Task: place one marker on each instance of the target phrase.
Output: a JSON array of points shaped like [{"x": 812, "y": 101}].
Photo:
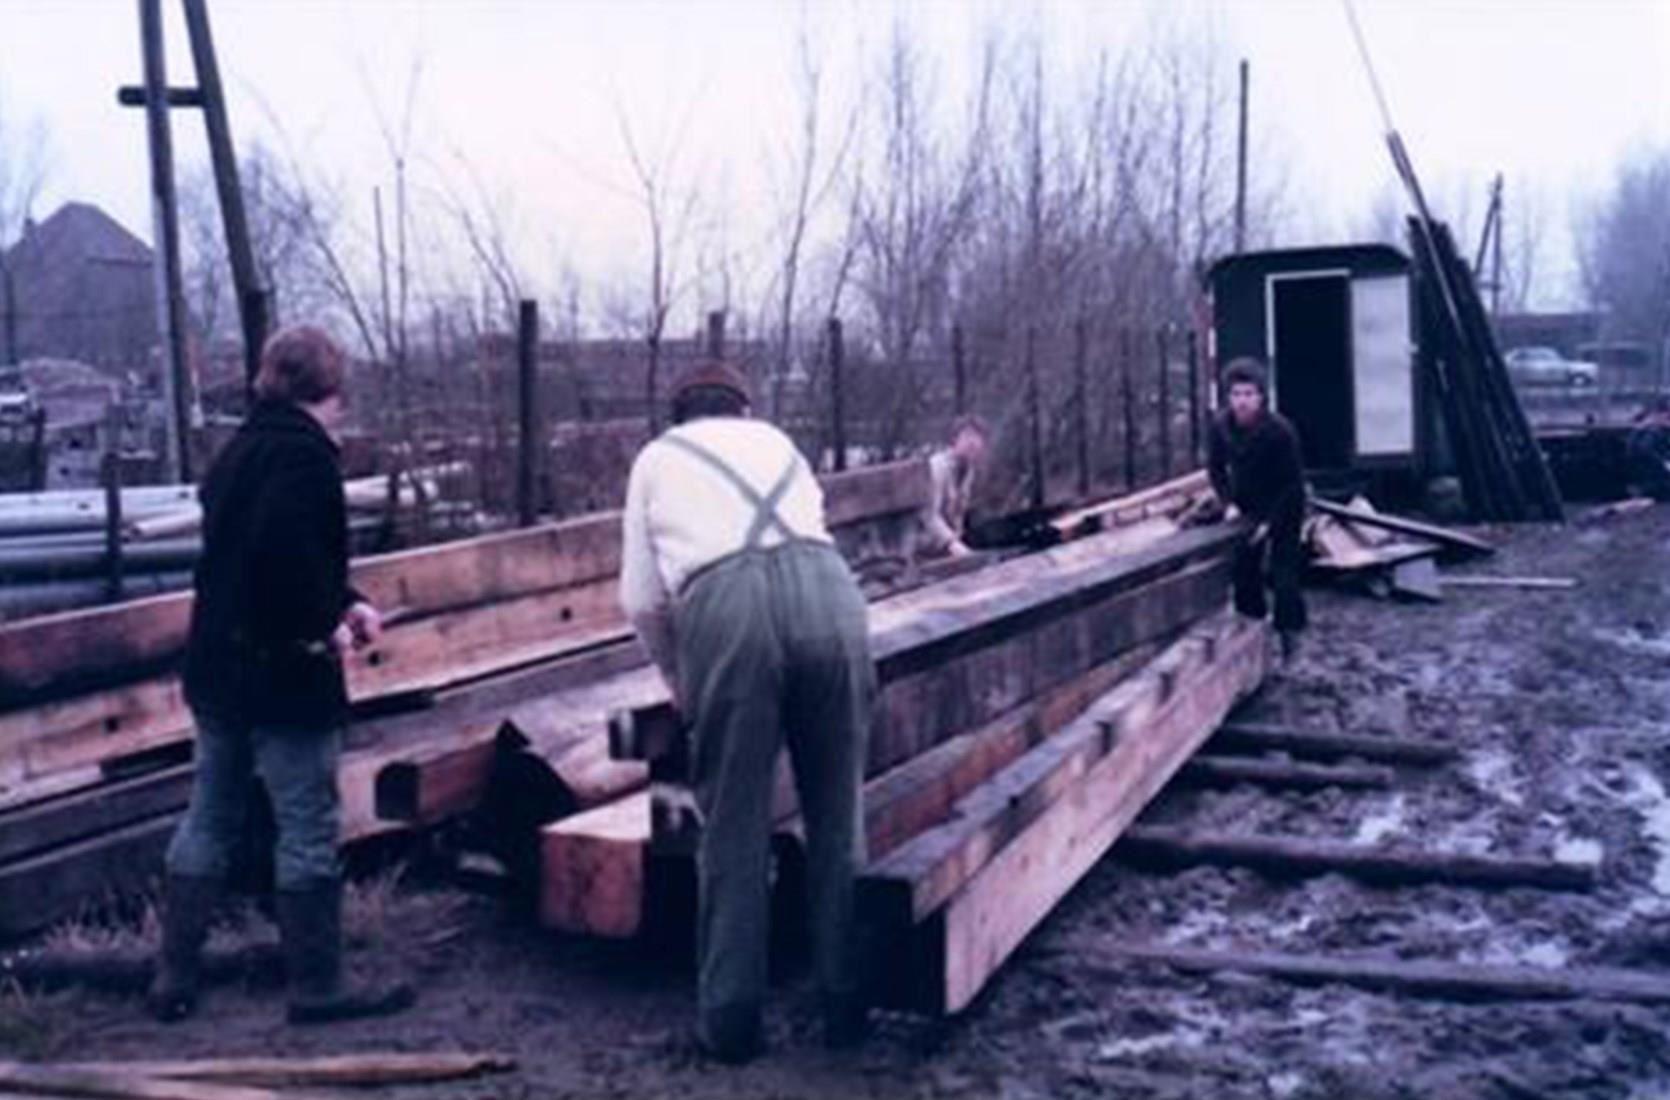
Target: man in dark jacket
[
  {"x": 263, "y": 675},
  {"x": 1253, "y": 459}
]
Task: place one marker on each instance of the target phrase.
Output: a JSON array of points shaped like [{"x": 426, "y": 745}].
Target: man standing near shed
[
  {"x": 733, "y": 583},
  {"x": 1254, "y": 463},
  {"x": 272, "y": 617}
]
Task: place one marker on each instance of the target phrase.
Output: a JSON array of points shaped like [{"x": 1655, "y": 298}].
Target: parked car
[{"x": 1540, "y": 366}]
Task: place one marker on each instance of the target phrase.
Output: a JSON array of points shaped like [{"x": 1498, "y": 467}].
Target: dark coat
[
  {"x": 272, "y": 583},
  {"x": 1258, "y": 468}
]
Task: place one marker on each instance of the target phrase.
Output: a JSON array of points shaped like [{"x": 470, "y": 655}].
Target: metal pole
[
  {"x": 1129, "y": 402},
  {"x": 245, "y": 280},
  {"x": 527, "y": 352},
  {"x": 1035, "y": 416},
  {"x": 1194, "y": 398},
  {"x": 170, "y": 307},
  {"x": 959, "y": 371},
  {"x": 1081, "y": 399},
  {"x": 837, "y": 394},
  {"x": 1163, "y": 346},
  {"x": 1241, "y": 167}
]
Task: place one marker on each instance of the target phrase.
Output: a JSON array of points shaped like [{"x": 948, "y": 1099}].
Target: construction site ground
[{"x": 1561, "y": 703}]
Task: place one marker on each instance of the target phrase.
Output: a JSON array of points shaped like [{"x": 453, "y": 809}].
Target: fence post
[
  {"x": 1035, "y": 417},
  {"x": 1162, "y": 344},
  {"x": 527, "y": 354},
  {"x": 716, "y": 334},
  {"x": 1081, "y": 399},
  {"x": 837, "y": 394},
  {"x": 1130, "y": 415},
  {"x": 1194, "y": 399},
  {"x": 112, "y": 478}
]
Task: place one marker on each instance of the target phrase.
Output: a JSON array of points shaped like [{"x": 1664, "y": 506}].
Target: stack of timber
[
  {"x": 1027, "y": 713},
  {"x": 95, "y": 736},
  {"x": 1386, "y": 555}
]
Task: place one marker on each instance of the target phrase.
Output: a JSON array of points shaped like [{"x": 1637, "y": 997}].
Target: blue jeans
[{"x": 298, "y": 768}]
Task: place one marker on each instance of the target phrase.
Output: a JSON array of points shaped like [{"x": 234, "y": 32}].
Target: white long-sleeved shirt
[{"x": 682, "y": 515}]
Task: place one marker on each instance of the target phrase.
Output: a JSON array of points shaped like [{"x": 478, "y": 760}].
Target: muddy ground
[{"x": 1561, "y": 700}]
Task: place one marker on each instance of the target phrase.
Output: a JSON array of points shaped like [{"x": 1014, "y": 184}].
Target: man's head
[
  {"x": 710, "y": 388},
  {"x": 969, "y": 438},
  {"x": 302, "y": 365},
  {"x": 1248, "y": 385}
]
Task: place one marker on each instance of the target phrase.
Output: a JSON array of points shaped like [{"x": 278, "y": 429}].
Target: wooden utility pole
[
  {"x": 1035, "y": 418},
  {"x": 170, "y": 299},
  {"x": 1241, "y": 167},
  {"x": 1081, "y": 401},
  {"x": 252, "y": 296},
  {"x": 527, "y": 449},
  {"x": 1163, "y": 349},
  {"x": 959, "y": 371}
]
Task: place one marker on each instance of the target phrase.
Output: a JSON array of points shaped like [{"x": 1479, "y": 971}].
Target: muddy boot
[
  {"x": 310, "y": 924},
  {"x": 732, "y": 1034},
  {"x": 846, "y": 1020},
  {"x": 187, "y": 904}
]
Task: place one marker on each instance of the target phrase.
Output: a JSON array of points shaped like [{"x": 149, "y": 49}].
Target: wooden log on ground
[
  {"x": 940, "y": 964},
  {"x": 1264, "y": 737},
  {"x": 1416, "y": 977},
  {"x": 44, "y": 1079},
  {"x": 364, "y": 1069},
  {"x": 1227, "y": 771},
  {"x": 592, "y": 869},
  {"x": 1154, "y": 845}
]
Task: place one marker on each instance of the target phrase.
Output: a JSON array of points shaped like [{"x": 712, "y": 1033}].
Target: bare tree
[
  {"x": 1625, "y": 252},
  {"x": 23, "y": 161}
]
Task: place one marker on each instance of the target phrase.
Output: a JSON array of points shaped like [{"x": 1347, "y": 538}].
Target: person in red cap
[{"x": 732, "y": 581}]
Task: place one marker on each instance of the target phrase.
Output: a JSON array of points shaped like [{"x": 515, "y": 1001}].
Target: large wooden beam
[
  {"x": 592, "y": 869},
  {"x": 1417, "y": 977},
  {"x": 1296, "y": 857},
  {"x": 941, "y": 963},
  {"x": 1228, "y": 771},
  {"x": 79, "y": 814}
]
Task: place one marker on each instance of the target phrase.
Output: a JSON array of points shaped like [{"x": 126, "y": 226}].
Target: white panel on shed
[{"x": 1384, "y": 367}]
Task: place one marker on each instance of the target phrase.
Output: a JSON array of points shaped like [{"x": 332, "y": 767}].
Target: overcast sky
[{"x": 1550, "y": 92}]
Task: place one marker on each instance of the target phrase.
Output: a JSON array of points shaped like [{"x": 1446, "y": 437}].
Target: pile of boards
[
  {"x": 95, "y": 736},
  {"x": 1383, "y": 554},
  {"x": 1028, "y": 713}
]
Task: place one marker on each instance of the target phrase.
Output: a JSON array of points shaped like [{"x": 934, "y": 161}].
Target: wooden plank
[
  {"x": 1298, "y": 858},
  {"x": 1450, "y": 539},
  {"x": 592, "y": 869},
  {"x": 1244, "y": 736},
  {"x": 921, "y": 875},
  {"x": 929, "y": 628},
  {"x": 368, "y": 1068},
  {"x": 942, "y": 963},
  {"x": 1416, "y": 977},
  {"x": 1166, "y": 499},
  {"x": 1483, "y": 581},
  {"x": 85, "y": 813},
  {"x": 874, "y": 491},
  {"x": 1227, "y": 771},
  {"x": 50, "y": 1080}
]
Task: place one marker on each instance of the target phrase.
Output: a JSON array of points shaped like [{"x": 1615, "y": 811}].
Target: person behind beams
[
  {"x": 952, "y": 472},
  {"x": 272, "y": 615},
  {"x": 732, "y": 581},
  {"x": 1254, "y": 463}
]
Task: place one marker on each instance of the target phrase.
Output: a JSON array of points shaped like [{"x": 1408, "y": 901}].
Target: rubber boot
[
  {"x": 188, "y": 903},
  {"x": 732, "y": 1034},
  {"x": 310, "y": 925}
]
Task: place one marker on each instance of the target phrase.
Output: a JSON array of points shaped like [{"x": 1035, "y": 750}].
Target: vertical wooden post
[
  {"x": 1081, "y": 400},
  {"x": 1241, "y": 167},
  {"x": 1194, "y": 398},
  {"x": 1035, "y": 417},
  {"x": 1128, "y": 401},
  {"x": 1162, "y": 345},
  {"x": 170, "y": 304},
  {"x": 112, "y": 478},
  {"x": 527, "y": 355},
  {"x": 716, "y": 334},
  {"x": 959, "y": 371},
  {"x": 837, "y": 394}
]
